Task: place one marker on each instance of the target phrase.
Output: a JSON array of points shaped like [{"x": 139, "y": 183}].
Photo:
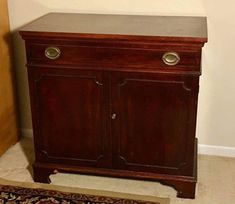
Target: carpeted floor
[
  {"x": 12, "y": 192},
  {"x": 216, "y": 178}
]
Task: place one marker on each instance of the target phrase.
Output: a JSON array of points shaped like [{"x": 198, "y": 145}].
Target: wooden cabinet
[{"x": 118, "y": 98}]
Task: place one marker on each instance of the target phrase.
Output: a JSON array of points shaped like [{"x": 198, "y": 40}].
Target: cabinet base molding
[{"x": 185, "y": 186}]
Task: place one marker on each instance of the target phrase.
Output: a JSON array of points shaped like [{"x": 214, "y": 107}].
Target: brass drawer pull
[
  {"x": 114, "y": 115},
  {"x": 52, "y": 52},
  {"x": 171, "y": 58}
]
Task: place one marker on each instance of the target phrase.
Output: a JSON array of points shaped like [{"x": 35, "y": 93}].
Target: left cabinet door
[{"x": 69, "y": 116}]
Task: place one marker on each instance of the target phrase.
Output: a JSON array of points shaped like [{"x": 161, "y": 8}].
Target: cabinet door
[
  {"x": 154, "y": 127},
  {"x": 69, "y": 116}
]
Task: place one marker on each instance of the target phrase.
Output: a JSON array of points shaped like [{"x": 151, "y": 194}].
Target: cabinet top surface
[{"x": 122, "y": 25}]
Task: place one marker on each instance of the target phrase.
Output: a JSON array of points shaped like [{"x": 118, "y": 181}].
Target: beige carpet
[{"x": 216, "y": 177}]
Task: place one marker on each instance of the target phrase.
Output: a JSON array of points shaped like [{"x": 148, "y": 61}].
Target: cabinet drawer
[{"x": 164, "y": 59}]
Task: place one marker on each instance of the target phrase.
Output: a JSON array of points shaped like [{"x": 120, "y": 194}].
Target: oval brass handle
[
  {"x": 52, "y": 52},
  {"x": 114, "y": 115},
  {"x": 171, "y": 58}
]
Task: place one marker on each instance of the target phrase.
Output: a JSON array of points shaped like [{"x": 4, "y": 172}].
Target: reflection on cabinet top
[{"x": 156, "y": 28}]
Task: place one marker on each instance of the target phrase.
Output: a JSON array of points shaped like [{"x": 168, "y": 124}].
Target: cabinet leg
[
  {"x": 184, "y": 189},
  {"x": 41, "y": 175}
]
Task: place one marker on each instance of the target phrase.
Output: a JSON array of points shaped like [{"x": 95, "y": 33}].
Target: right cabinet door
[{"x": 154, "y": 127}]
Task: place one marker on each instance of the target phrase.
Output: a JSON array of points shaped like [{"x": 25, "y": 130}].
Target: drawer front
[{"x": 164, "y": 59}]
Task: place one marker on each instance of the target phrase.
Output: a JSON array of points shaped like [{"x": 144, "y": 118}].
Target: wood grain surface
[
  {"x": 121, "y": 26},
  {"x": 8, "y": 121}
]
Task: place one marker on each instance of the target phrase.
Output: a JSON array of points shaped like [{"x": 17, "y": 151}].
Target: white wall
[{"x": 216, "y": 116}]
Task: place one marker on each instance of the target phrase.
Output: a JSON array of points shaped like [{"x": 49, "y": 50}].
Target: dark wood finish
[
  {"x": 154, "y": 111},
  {"x": 169, "y": 28},
  {"x": 70, "y": 107},
  {"x": 149, "y": 59},
  {"x": 41, "y": 174},
  {"x": 109, "y": 105}
]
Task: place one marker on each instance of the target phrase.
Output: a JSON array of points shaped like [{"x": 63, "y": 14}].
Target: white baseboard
[
  {"x": 216, "y": 150},
  {"x": 202, "y": 149}
]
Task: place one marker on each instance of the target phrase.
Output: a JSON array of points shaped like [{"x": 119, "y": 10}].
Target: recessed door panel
[
  {"x": 70, "y": 116},
  {"x": 154, "y": 122}
]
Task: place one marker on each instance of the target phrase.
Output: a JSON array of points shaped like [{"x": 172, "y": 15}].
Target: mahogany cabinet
[{"x": 116, "y": 95}]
